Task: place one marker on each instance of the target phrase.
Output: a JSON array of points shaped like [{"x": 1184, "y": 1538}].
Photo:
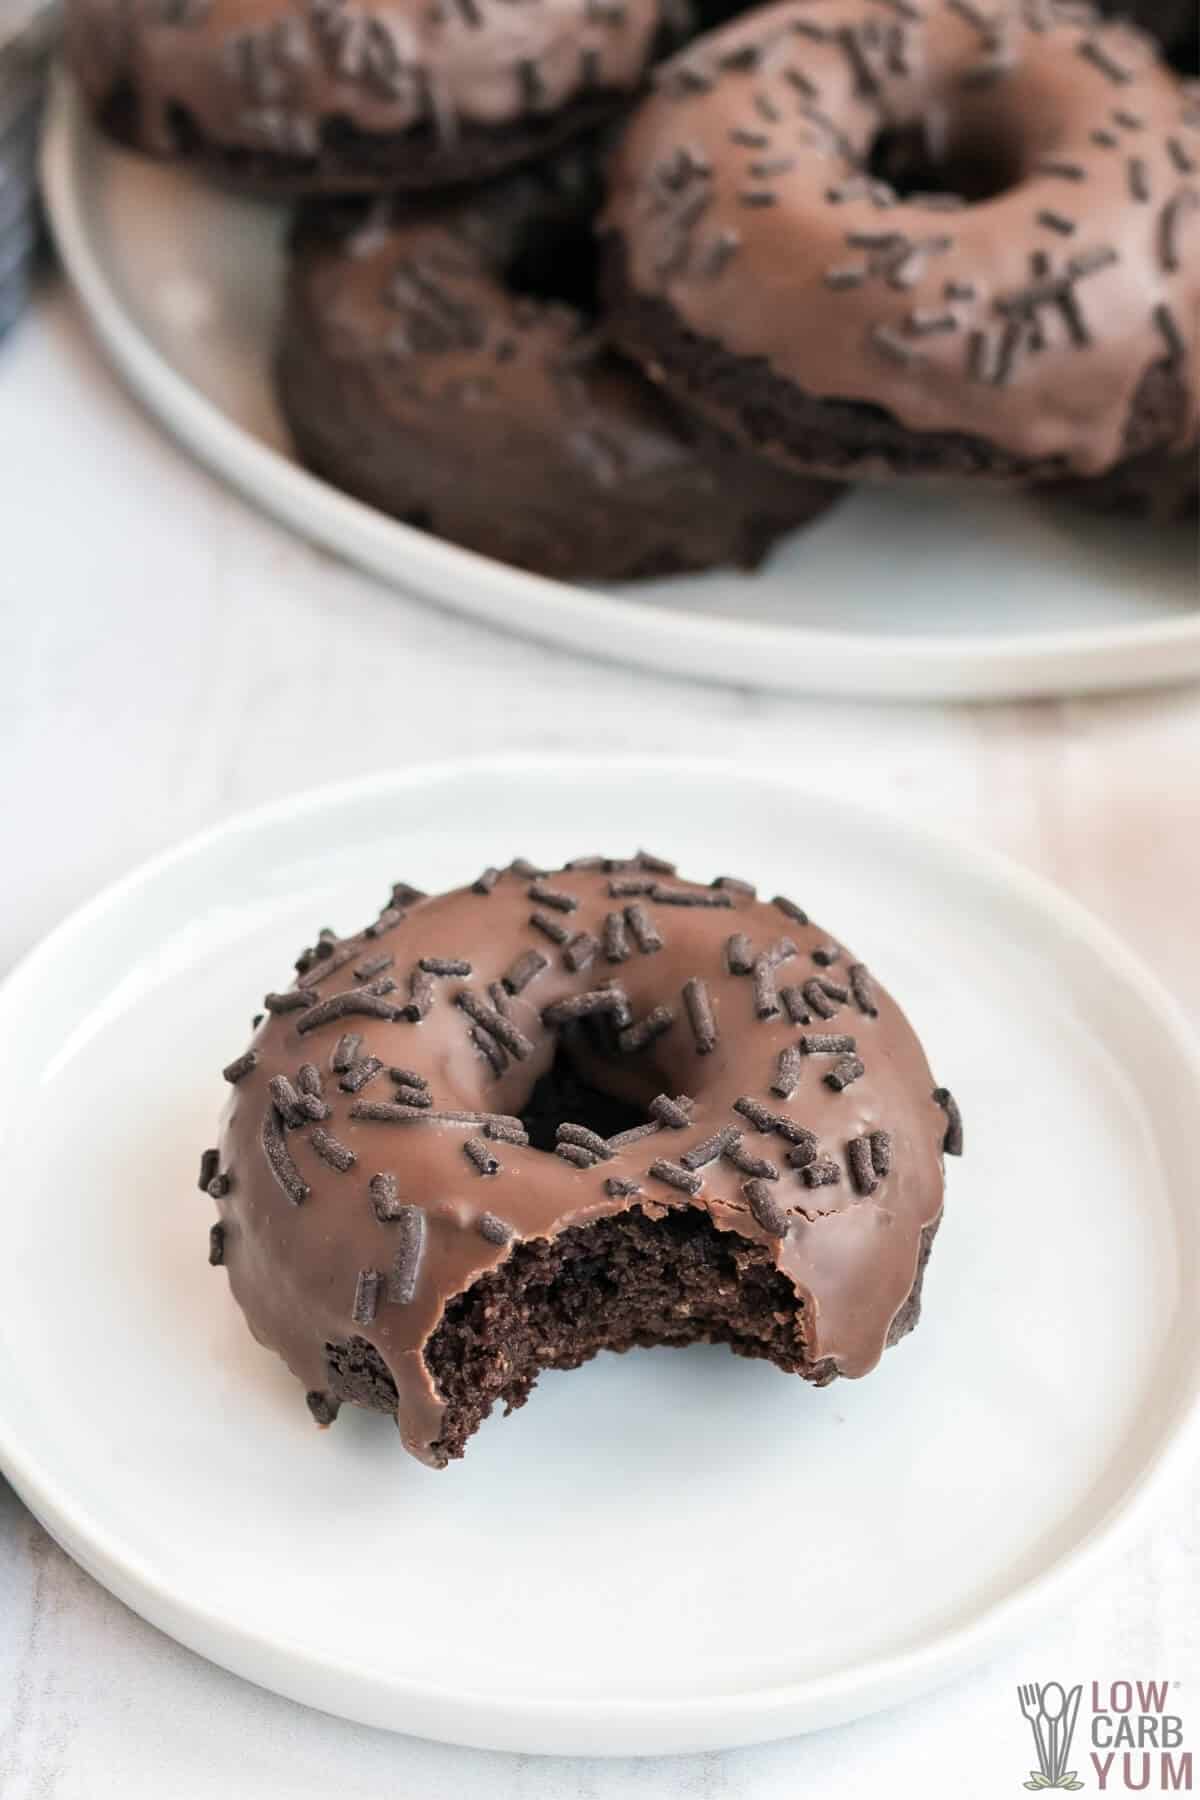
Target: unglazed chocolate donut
[
  {"x": 552, "y": 1113},
  {"x": 417, "y": 372},
  {"x": 342, "y": 95},
  {"x": 961, "y": 239}
]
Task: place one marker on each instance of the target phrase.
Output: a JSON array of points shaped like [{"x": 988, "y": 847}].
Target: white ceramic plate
[
  {"x": 896, "y": 593},
  {"x": 663, "y": 1551}
]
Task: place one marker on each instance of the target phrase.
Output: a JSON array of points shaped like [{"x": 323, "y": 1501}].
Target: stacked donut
[{"x": 832, "y": 241}]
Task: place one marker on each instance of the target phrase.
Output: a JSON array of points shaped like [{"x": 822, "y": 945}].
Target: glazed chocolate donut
[
  {"x": 553, "y": 1113},
  {"x": 425, "y": 368},
  {"x": 346, "y": 95},
  {"x": 960, "y": 240}
]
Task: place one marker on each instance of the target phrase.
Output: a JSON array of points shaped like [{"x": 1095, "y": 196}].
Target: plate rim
[
  {"x": 721, "y": 650},
  {"x": 628, "y": 1724}
]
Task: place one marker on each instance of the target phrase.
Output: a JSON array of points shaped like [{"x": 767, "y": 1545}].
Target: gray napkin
[{"x": 28, "y": 33}]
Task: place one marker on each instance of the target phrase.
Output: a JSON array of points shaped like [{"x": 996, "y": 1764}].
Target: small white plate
[
  {"x": 896, "y": 592},
  {"x": 663, "y": 1551}
]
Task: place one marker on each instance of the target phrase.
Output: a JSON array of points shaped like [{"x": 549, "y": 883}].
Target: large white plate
[
  {"x": 897, "y": 593},
  {"x": 663, "y": 1551}
]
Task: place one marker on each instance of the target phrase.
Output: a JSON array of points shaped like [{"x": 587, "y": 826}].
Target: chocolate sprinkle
[
  {"x": 1164, "y": 320},
  {"x": 406, "y": 1264},
  {"x": 643, "y": 929},
  {"x": 766, "y": 996},
  {"x": 502, "y": 1029},
  {"x": 803, "y": 1153},
  {"x": 391, "y": 915},
  {"x": 1186, "y": 201},
  {"x": 952, "y": 1143},
  {"x": 484, "y": 1159},
  {"x": 549, "y": 927},
  {"x": 626, "y": 889},
  {"x": 575, "y": 1153},
  {"x": 611, "y": 1000},
  {"x": 385, "y": 1198},
  {"x": 846, "y": 1070},
  {"x": 700, "y": 1155},
  {"x": 790, "y": 910},
  {"x": 765, "y": 1208},
  {"x": 366, "y": 1296},
  {"x": 331, "y": 1150},
  {"x": 739, "y": 954},
  {"x": 503, "y": 1129},
  {"x": 657, "y": 865},
  {"x": 881, "y": 1152},
  {"x": 444, "y": 965},
  {"x": 294, "y": 1000},
  {"x": 668, "y": 896},
  {"x": 408, "y": 1078},
  {"x": 862, "y": 1165},
  {"x": 763, "y": 1119},
  {"x": 421, "y": 993},
  {"x": 340, "y": 1006},
  {"x": 821, "y": 1172},
  {"x": 634, "y": 1135},
  {"x": 787, "y": 1072},
  {"x": 826, "y": 954},
  {"x": 374, "y": 965},
  {"x": 494, "y": 1230},
  {"x": 746, "y": 1163},
  {"x": 862, "y": 989},
  {"x": 816, "y": 997},
  {"x": 675, "y": 1114},
  {"x": 286, "y": 1099},
  {"x": 616, "y": 944},
  {"x": 404, "y": 894},
  {"x": 701, "y": 1016},
  {"x": 581, "y": 952},
  {"x": 210, "y": 1162},
  {"x": 483, "y": 884},
  {"x": 280, "y": 1162},
  {"x": 240, "y": 1066},
  {"x": 619, "y": 1189},
  {"x": 1095, "y": 53},
  {"x": 554, "y": 897},
  {"x": 795, "y": 1005},
  {"x": 1139, "y": 178},
  {"x": 736, "y": 885},
  {"x": 826, "y": 1044},
  {"x": 345, "y": 1052},
  {"x": 676, "y": 1176},
  {"x": 637, "y": 1037},
  {"x": 412, "y": 1096},
  {"x": 527, "y": 966},
  {"x": 584, "y": 1139},
  {"x": 216, "y": 1245},
  {"x": 359, "y": 1073}
]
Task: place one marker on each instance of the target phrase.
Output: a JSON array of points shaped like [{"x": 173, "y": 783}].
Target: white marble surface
[{"x": 168, "y": 657}]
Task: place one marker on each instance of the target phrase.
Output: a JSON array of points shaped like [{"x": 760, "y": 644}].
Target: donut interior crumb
[{"x": 624, "y": 1281}]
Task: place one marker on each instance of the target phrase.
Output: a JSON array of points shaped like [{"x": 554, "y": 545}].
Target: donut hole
[
  {"x": 624, "y": 1281},
  {"x": 563, "y": 1097},
  {"x": 557, "y": 262},
  {"x": 972, "y": 161}
]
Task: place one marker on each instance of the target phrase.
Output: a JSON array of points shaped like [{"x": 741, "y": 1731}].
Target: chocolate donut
[
  {"x": 343, "y": 95},
  {"x": 557, "y": 1112},
  {"x": 960, "y": 240},
  {"x": 426, "y": 367}
]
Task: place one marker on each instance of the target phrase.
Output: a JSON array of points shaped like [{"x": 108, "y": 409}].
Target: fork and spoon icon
[{"x": 1051, "y": 1712}]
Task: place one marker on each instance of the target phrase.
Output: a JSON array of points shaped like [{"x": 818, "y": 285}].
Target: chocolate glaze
[
  {"x": 742, "y": 196},
  {"x": 297, "y": 1268},
  {"x": 273, "y": 77},
  {"x": 416, "y": 374}
]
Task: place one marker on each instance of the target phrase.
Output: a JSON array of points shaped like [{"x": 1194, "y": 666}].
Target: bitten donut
[
  {"x": 419, "y": 371},
  {"x": 956, "y": 240},
  {"x": 340, "y": 95},
  {"x": 557, "y": 1112}
]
